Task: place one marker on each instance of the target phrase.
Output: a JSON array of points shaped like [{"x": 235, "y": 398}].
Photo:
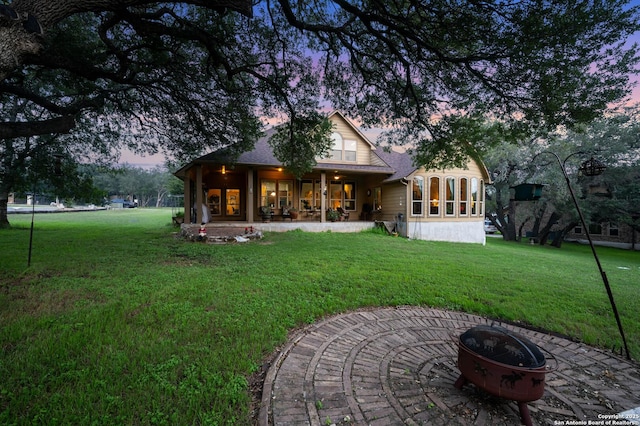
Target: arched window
[
  {"x": 417, "y": 196},
  {"x": 336, "y": 148},
  {"x": 450, "y": 196},
  {"x": 464, "y": 197},
  {"x": 434, "y": 196},
  {"x": 474, "y": 196},
  {"x": 481, "y": 197},
  {"x": 342, "y": 149}
]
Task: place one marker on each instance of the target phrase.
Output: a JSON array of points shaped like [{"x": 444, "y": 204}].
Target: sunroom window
[
  {"x": 417, "y": 196},
  {"x": 434, "y": 196},
  {"x": 464, "y": 204},
  {"x": 474, "y": 196},
  {"x": 450, "y": 196}
]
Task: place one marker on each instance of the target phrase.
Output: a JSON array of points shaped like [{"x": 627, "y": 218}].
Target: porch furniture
[
  {"x": 366, "y": 212},
  {"x": 286, "y": 214},
  {"x": 344, "y": 215}
]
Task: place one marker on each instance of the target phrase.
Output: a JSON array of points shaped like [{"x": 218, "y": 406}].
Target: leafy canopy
[{"x": 184, "y": 77}]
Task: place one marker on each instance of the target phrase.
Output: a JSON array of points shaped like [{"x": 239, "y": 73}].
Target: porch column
[
  {"x": 187, "y": 198},
  {"x": 323, "y": 200},
  {"x": 199, "y": 193},
  {"x": 250, "y": 196}
]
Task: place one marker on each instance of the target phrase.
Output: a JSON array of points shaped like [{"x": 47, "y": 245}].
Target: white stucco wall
[{"x": 456, "y": 232}]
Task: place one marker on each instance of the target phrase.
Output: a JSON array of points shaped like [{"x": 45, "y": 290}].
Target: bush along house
[{"x": 355, "y": 182}]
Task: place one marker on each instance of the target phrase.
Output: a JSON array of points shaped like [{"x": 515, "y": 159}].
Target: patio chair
[{"x": 343, "y": 214}]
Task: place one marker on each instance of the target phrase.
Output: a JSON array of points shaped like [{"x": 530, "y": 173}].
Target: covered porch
[{"x": 217, "y": 193}]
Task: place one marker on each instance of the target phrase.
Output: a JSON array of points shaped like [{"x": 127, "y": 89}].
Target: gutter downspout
[{"x": 405, "y": 214}]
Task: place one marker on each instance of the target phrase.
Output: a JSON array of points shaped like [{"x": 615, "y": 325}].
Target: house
[{"x": 367, "y": 183}]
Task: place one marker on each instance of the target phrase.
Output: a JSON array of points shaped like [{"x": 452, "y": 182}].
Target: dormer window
[{"x": 342, "y": 149}]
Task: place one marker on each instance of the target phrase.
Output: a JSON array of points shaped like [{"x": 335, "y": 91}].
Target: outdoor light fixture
[
  {"x": 224, "y": 170},
  {"x": 592, "y": 167}
]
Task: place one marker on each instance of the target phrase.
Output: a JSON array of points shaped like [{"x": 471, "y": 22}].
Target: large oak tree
[{"x": 187, "y": 76}]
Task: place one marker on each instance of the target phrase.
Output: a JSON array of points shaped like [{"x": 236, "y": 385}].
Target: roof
[{"x": 401, "y": 163}]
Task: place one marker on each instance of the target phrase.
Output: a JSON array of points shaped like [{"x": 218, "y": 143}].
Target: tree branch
[{"x": 34, "y": 128}]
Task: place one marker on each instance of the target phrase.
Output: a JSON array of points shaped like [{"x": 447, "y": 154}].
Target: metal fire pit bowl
[{"x": 502, "y": 363}]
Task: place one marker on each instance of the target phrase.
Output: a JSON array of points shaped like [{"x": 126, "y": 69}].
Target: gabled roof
[
  {"x": 400, "y": 162},
  {"x": 398, "y": 165},
  {"x": 262, "y": 155},
  {"x": 354, "y": 127}
]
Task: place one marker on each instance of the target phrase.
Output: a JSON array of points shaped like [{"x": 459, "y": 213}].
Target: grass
[{"x": 118, "y": 322}]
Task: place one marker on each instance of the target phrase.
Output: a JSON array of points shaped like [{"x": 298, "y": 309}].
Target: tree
[
  {"x": 148, "y": 186},
  {"x": 194, "y": 75},
  {"x": 612, "y": 196}
]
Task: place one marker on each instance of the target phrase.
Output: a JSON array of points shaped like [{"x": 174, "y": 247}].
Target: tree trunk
[
  {"x": 522, "y": 226},
  {"x": 4, "y": 200},
  {"x": 509, "y": 228},
  {"x": 538, "y": 219},
  {"x": 544, "y": 233},
  {"x": 559, "y": 238}
]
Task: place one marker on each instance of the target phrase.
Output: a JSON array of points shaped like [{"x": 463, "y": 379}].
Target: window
[
  {"x": 336, "y": 149},
  {"x": 377, "y": 198},
  {"x": 464, "y": 203},
  {"x": 276, "y": 194},
  {"x": 268, "y": 193},
  {"x": 417, "y": 196},
  {"x": 310, "y": 195},
  {"x": 613, "y": 229},
  {"x": 349, "y": 196},
  {"x": 434, "y": 196},
  {"x": 450, "y": 196},
  {"x": 214, "y": 201},
  {"x": 335, "y": 191},
  {"x": 350, "y": 150},
  {"x": 342, "y": 194},
  {"x": 285, "y": 193},
  {"x": 342, "y": 149},
  {"x": 474, "y": 196},
  {"x": 481, "y": 197},
  {"x": 233, "y": 202},
  {"x": 595, "y": 228}
]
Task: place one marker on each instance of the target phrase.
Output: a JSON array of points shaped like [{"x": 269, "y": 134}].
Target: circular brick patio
[{"x": 398, "y": 366}]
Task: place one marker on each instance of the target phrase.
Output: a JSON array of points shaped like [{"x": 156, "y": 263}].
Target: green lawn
[{"x": 119, "y": 322}]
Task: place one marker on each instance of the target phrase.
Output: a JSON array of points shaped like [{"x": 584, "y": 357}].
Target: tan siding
[
  {"x": 394, "y": 200},
  {"x": 363, "y": 148},
  {"x": 374, "y": 160}
]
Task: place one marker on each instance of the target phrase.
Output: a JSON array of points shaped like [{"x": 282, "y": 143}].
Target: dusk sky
[{"x": 153, "y": 160}]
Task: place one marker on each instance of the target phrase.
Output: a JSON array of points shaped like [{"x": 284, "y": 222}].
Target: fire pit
[{"x": 504, "y": 364}]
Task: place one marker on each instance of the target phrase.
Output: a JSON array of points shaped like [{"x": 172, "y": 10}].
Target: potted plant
[
  {"x": 266, "y": 213},
  {"x": 178, "y": 218},
  {"x": 333, "y": 215},
  {"x": 293, "y": 212}
]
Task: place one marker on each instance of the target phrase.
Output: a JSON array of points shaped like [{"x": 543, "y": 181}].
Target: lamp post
[
  {"x": 591, "y": 167},
  {"x": 58, "y": 172}
]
